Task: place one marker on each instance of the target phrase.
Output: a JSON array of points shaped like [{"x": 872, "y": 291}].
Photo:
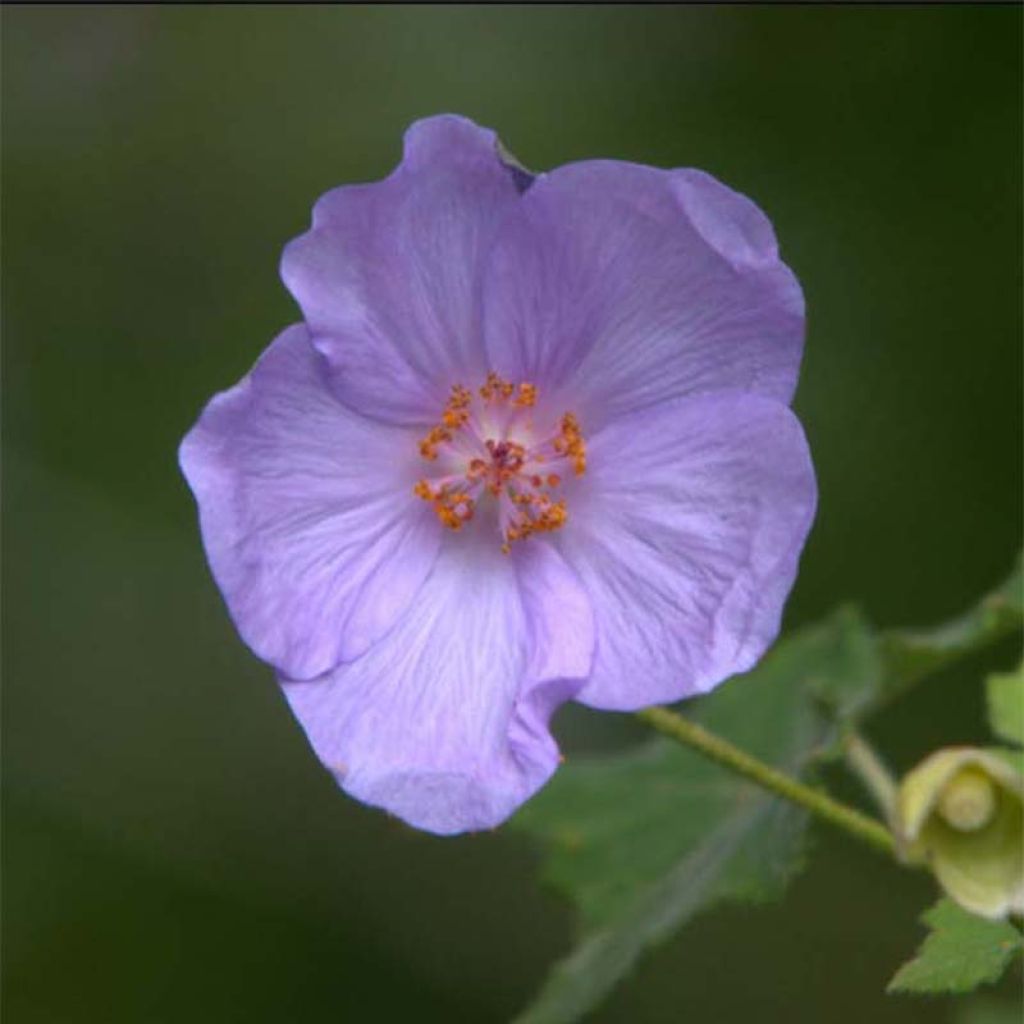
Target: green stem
[
  {"x": 869, "y": 768},
  {"x": 690, "y": 734}
]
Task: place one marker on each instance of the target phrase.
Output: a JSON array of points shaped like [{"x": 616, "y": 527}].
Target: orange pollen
[
  {"x": 570, "y": 443},
  {"x": 487, "y": 443}
]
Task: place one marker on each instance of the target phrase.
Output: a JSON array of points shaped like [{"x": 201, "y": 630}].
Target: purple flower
[{"x": 530, "y": 443}]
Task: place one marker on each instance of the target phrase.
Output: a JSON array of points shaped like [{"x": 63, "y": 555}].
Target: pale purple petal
[
  {"x": 622, "y": 286},
  {"x": 389, "y": 276},
  {"x": 307, "y": 513},
  {"x": 424, "y": 664},
  {"x": 444, "y": 722},
  {"x": 686, "y": 532}
]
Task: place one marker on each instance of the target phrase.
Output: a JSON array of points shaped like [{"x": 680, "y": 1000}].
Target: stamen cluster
[{"x": 518, "y": 472}]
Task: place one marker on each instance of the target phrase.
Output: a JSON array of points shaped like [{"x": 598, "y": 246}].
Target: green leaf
[
  {"x": 644, "y": 841},
  {"x": 894, "y": 660},
  {"x": 910, "y": 655},
  {"x": 1005, "y": 693},
  {"x": 961, "y": 952},
  {"x": 847, "y": 674}
]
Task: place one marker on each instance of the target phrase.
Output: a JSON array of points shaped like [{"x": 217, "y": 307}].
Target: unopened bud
[{"x": 961, "y": 811}]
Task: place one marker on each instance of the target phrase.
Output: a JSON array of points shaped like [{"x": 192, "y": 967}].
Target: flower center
[{"x": 486, "y": 443}]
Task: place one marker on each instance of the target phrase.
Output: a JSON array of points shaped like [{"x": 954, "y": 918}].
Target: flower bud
[{"x": 961, "y": 811}]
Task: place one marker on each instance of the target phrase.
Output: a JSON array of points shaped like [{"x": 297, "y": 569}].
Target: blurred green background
[{"x": 172, "y": 851}]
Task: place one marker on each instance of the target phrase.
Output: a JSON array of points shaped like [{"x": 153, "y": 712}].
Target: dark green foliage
[
  {"x": 961, "y": 952},
  {"x": 644, "y": 841}
]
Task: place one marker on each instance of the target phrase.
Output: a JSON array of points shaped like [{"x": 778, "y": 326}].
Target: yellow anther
[
  {"x": 527, "y": 396},
  {"x": 570, "y": 443},
  {"x": 453, "y": 507}
]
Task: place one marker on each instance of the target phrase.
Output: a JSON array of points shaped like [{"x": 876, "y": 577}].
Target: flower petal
[
  {"x": 635, "y": 285},
  {"x": 444, "y": 723},
  {"x": 389, "y": 276},
  {"x": 686, "y": 532},
  {"x": 307, "y": 512}
]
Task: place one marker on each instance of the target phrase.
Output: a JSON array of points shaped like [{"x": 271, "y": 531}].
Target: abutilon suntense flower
[{"x": 530, "y": 443}]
